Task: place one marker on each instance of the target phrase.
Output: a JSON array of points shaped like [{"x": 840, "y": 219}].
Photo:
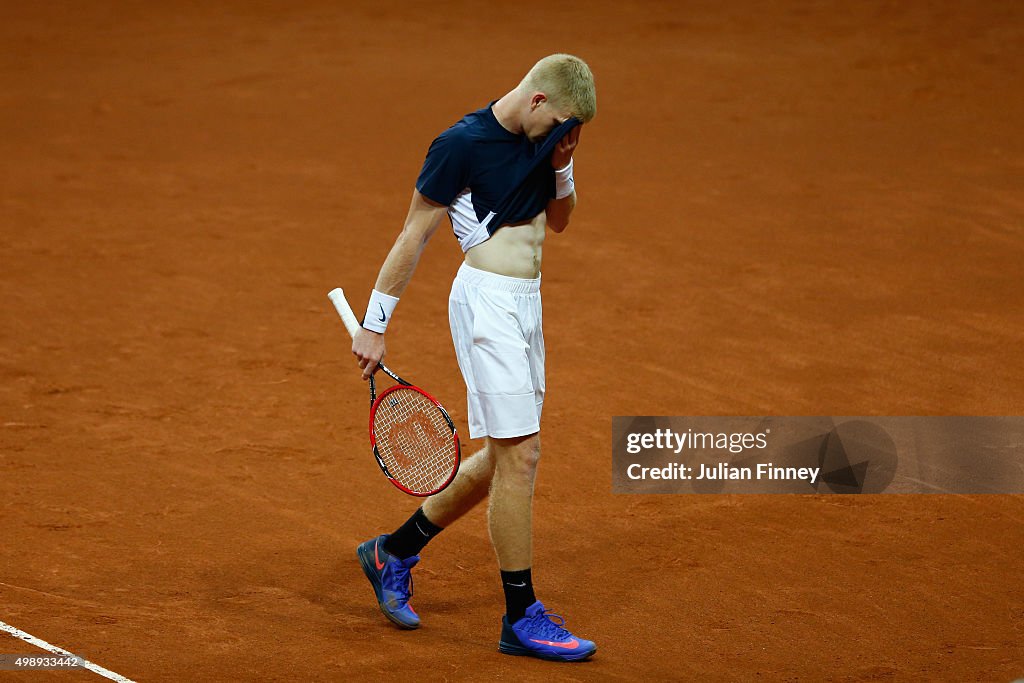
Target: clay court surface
[{"x": 786, "y": 208}]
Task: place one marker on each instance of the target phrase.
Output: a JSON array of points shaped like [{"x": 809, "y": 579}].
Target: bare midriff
[{"x": 514, "y": 250}]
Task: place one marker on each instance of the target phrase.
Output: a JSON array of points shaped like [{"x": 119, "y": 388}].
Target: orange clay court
[{"x": 786, "y": 208}]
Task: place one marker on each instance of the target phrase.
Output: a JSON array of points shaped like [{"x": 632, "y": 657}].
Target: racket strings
[{"x": 414, "y": 440}]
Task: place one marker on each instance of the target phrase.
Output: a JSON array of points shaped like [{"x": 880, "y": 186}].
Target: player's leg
[
  {"x": 510, "y": 518},
  {"x": 388, "y": 559},
  {"x": 519, "y": 367},
  {"x": 527, "y": 628},
  {"x": 469, "y": 487},
  {"x": 510, "y": 512}
]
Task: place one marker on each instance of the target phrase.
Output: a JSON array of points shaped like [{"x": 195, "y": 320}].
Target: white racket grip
[{"x": 337, "y": 297}]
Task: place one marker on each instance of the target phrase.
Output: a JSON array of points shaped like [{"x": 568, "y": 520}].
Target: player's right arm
[{"x": 420, "y": 224}]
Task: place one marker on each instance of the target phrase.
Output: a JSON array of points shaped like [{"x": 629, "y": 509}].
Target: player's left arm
[{"x": 559, "y": 210}]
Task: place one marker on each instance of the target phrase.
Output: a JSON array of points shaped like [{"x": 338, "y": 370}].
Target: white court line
[{"x": 86, "y": 664}]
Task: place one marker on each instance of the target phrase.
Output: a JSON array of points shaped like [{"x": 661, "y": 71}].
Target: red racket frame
[{"x": 373, "y": 437}]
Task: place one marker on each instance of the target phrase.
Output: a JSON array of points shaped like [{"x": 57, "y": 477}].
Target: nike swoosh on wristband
[
  {"x": 382, "y": 316},
  {"x": 566, "y": 645},
  {"x": 376, "y": 557},
  {"x": 517, "y": 585}
]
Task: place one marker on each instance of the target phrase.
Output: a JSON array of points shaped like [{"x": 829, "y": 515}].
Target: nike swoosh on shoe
[{"x": 566, "y": 645}]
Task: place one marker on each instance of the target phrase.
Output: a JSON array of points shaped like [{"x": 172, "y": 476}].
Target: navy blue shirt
[{"x": 506, "y": 174}]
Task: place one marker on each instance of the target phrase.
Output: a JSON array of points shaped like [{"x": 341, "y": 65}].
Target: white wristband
[
  {"x": 564, "y": 183},
  {"x": 378, "y": 311}
]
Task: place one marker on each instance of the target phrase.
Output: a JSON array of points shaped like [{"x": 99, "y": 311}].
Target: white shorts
[{"x": 496, "y": 326}]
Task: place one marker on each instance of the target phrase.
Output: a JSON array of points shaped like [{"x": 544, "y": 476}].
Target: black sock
[
  {"x": 519, "y": 595},
  {"x": 409, "y": 539}
]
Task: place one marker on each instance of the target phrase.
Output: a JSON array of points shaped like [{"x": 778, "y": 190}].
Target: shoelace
[
  {"x": 546, "y": 626},
  {"x": 402, "y": 577}
]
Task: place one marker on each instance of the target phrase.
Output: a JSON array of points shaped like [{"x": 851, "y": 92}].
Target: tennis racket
[{"x": 413, "y": 438}]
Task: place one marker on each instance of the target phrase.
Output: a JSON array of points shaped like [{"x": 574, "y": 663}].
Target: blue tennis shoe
[
  {"x": 391, "y": 581},
  {"x": 538, "y": 634}
]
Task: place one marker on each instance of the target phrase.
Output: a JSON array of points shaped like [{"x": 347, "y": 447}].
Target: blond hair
[{"x": 567, "y": 82}]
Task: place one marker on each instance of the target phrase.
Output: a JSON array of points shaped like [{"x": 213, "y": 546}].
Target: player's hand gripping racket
[{"x": 413, "y": 438}]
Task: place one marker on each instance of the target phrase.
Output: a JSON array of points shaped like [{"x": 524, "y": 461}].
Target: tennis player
[{"x": 503, "y": 175}]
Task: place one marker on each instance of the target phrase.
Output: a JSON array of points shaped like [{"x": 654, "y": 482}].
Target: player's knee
[
  {"x": 528, "y": 456},
  {"x": 518, "y": 456}
]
